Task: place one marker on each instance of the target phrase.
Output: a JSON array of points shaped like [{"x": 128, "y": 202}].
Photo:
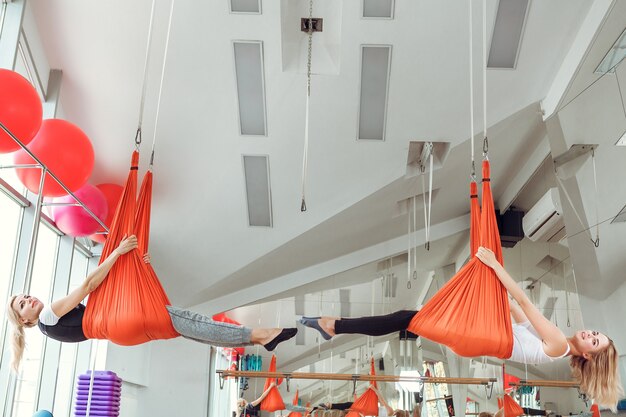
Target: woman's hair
[
  {"x": 485, "y": 414},
  {"x": 18, "y": 338},
  {"x": 598, "y": 376}
]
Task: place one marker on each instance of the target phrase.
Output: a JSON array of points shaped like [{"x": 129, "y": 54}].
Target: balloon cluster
[{"x": 65, "y": 150}]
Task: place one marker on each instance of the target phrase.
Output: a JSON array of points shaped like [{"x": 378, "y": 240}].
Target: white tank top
[{"x": 528, "y": 346}]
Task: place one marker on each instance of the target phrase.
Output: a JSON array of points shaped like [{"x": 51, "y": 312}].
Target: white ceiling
[{"x": 205, "y": 253}]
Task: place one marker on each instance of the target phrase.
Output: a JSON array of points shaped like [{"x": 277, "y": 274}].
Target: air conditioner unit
[{"x": 544, "y": 222}]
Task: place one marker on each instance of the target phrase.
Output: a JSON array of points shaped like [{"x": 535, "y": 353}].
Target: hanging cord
[
  {"x": 145, "y": 79},
  {"x": 158, "y": 109},
  {"x": 596, "y": 242},
  {"x": 425, "y": 209},
  {"x": 621, "y": 97},
  {"x": 430, "y": 199},
  {"x": 471, "y": 85},
  {"x": 485, "y": 140},
  {"x": 415, "y": 237},
  {"x": 569, "y": 200},
  {"x": 408, "y": 252},
  {"x": 305, "y": 158},
  {"x": 566, "y": 300}
]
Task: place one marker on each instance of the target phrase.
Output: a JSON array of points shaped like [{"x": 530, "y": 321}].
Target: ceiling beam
[
  {"x": 325, "y": 269},
  {"x": 575, "y": 57},
  {"x": 524, "y": 175}
]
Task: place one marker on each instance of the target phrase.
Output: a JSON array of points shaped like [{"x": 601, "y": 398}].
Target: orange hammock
[
  {"x": 470, "y": 314},
  {"x": 273, "y": 401},
  {"x": 128, "y": 308},
  {"x": 295, "y": 402},
  {"x": 511, "y": 408},
  {"x": 367, "y": 403}
]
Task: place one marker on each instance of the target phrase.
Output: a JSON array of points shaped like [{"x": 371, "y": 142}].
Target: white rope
[
  {"x": 145, "y": 70},
  {"x": 305, "y": 158},
  {"x": 410, "y": 243},
  {"x": 305, "y": 154},
  {"x": 471, "y": 83},
  {"x": 415, "y": 237},
  {"x": 569, "y": 200},
  {"x": 425, "y": 207},
  {"x": 485, "y": 66},
  {"x": 430, "y": 201},
  {"x": 596, "y": 242},
  {"x": 158, "y": 109}
]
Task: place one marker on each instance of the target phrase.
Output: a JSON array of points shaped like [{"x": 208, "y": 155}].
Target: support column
[{"x": 10, "y": 32}]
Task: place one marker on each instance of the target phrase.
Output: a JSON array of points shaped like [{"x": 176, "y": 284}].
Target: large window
[
  {"x": 10, "y": 215},
  {"x": 67, "y": 359},
  {"x": 41, "y": 285}
]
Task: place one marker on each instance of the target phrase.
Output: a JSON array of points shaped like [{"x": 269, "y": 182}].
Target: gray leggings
[{"x": 203, "y": 329}]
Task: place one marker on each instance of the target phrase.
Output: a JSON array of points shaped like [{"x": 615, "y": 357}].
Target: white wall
[{"x": 162, "y": 378}]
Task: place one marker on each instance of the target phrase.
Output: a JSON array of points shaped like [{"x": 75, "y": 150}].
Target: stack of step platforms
[{"x": 105, "y": 394}]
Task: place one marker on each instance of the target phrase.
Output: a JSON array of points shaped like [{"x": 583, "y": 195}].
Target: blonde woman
[
  {"x": 593, "y": 357},
  {"x": 62, "y": 319}
]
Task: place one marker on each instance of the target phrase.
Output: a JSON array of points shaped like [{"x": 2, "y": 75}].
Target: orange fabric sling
[
  {"x": 273, "y": 401},
  {"x": 367, "y": 403},
  {"x": 295, "y": 402},
  {"x": 470, "y": 313},
  {"x": 128, "y": 308},
  {"x": 511, "y": 408}
]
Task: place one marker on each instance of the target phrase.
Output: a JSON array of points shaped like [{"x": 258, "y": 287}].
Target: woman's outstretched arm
[
  {"x": 62, "y": 306},
  {"x": 554, "y": 341},
  {"x": 262, "y": 397}
]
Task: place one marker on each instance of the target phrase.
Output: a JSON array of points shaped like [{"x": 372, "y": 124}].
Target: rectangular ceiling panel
[
  {"x": 507, "y": 33},
  {"x": 375, "y": 69},
  {"x": 250, "y": 87},
  {"x": 258, "y": 192}
]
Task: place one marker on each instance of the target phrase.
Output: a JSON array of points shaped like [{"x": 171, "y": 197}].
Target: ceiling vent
[
  {"x": 378, "y": 9},
  {"x": 374, "y": 91},
  {"x": 507, "y": 34},
  {"x": 615, "y": 55},
  {"x": 245, "y": 6},
  {"x": 250, "y": 87},
  {"x": 258, "y": 193}
]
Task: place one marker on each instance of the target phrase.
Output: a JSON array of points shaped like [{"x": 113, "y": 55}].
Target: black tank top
[{"x": 69, "y": 328}]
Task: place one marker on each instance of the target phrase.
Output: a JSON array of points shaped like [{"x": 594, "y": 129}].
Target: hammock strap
[
  {"x": 158, "y": 109},
  {"x": 145, "y": 78}
]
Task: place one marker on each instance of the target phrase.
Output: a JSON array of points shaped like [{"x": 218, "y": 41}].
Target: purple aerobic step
[
  {"x": 100, "y": 384},
  {"x": 99, "y": 397},
  {"x": 98, "y": 408},
  {"x": 98, "y": 388},
  {"x": 97, "y": 413},
  {"x": 104, "y": 375},
  {"x": 98, "y": 402}
]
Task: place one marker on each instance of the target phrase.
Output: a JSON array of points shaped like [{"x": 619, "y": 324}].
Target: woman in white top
[{"x": 593, "y": 357}]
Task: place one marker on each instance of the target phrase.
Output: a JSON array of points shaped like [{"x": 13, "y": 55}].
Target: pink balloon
[{"x": 74, "y": 220}]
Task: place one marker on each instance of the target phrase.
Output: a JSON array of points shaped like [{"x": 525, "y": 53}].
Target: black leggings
[
  {"x": 375, "y": 325},
  {"x": 534, "y": 412},
  {"x": 340, "y": 406}
]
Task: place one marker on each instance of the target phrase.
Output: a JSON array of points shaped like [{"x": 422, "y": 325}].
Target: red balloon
[
  {"x": 112, "y": 193},
  {"x": 20, "y": 110},
  {"x": 65, "y": 150},
  {"x": 74, "y": 220}
]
